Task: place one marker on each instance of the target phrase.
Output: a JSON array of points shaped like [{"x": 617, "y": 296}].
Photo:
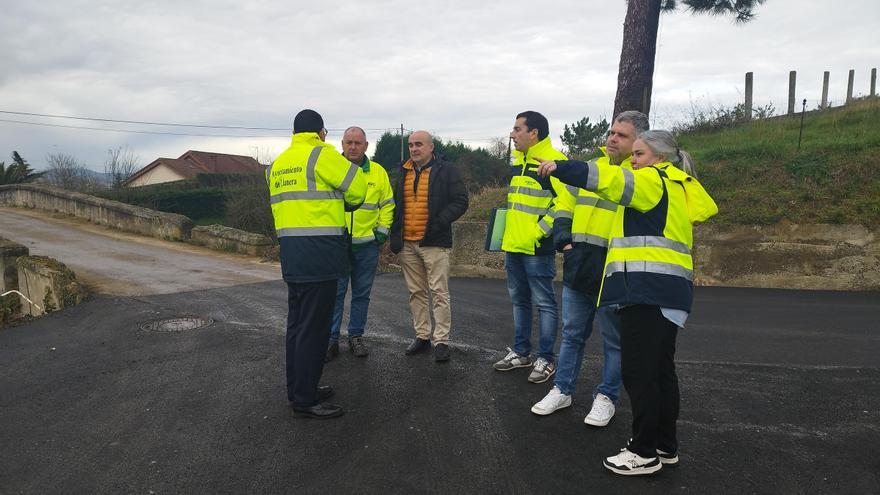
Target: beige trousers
[{"x": 424, "y": 269}]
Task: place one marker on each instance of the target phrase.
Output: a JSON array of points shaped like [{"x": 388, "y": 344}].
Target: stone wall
[
  {"x": 783, "y": 256},
  {"x": 98, "y": 210},
  {"x": 232, "y": 240},
  {"x": 48, "y": 283}
]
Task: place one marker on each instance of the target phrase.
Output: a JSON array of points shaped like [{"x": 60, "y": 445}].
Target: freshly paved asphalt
[{"x": 780, "y": 393}]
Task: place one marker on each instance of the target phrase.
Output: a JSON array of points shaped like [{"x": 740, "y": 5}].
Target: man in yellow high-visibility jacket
[
  {"x": 310, "y": 187},
  {"x": 369, "y": 230},
  {"x": 529, "y": 252},
  {"x": 580, "y": 231}
]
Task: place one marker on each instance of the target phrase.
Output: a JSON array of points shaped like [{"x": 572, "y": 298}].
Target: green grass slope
[{"x": 757, "y": 176}]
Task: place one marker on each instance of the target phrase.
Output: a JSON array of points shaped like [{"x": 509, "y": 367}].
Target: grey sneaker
[
  {"x": 512, "y": 360},
  {"x": 357, "y": 347},
  {"x": 542, "y": 371}
]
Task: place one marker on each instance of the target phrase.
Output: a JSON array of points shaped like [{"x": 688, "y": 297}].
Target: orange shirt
[{"x": 415, "y": 210}]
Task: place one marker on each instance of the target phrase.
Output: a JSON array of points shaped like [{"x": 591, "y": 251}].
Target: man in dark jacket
[{"x": 429, "y": 195}]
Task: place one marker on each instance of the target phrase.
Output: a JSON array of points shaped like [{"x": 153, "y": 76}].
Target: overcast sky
[{"x": 461, "y": 69}]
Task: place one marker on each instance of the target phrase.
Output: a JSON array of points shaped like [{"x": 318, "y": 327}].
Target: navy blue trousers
[{"x": 309, "y": 315}]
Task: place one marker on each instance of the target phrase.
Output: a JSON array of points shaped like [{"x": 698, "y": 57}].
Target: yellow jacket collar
[{"x": 542, "y": 149}]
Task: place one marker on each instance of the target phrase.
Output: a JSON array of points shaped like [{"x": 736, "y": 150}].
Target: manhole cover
[{"x": 176, "y": 324}]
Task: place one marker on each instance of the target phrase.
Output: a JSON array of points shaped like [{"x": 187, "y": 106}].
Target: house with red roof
[{"x": 192, "y": 163}]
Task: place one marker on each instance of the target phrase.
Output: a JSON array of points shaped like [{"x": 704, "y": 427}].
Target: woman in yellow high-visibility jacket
[{"x": 649, "y": 278}]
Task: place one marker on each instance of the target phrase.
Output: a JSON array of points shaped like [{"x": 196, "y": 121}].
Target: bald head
[
  {"x": 354, "y": 144},
  {"x": 421, "y": 147}
]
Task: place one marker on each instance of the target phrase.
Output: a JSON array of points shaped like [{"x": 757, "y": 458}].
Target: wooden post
[
  {"x": 873, "y": 82},
  {"x": 792, "y": 78},
  {"x": 749, "y": 87},
  {"x": 401, "y": 143},
  {"x": 825, "y": 79},
  {"x": 849, "y": 85}
]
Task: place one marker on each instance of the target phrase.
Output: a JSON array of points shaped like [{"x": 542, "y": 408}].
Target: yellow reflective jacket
[
  {"x": 377, "y": 212},
  {"x": 310, "y": 186},
  {"x": 649, "y": 253},
  {"x": 584, "y": 220},
  {"x": 529, "y": 221}
]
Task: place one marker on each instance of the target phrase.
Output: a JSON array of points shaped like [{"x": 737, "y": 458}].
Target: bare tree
[
  {"x": 120, "y": 164},
  {"x": 262, "y": 154},
  {"x": 498, "y": 148},
  {"x": 66, "y": 172}
]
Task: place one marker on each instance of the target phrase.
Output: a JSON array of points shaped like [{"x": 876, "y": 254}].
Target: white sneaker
[
  {"x": 629, "y": 463},
  {"x": 552, "y": 402},
  {"x": 601, "y": 412},
  {"x": 667, "y": 458}
]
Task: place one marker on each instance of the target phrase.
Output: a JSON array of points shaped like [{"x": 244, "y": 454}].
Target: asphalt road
[
  {"x": 780, "y": 393},
  {"x": 113, "y": 262}
]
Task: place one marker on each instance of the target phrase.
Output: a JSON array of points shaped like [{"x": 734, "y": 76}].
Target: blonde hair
[{"x": 663, "y": 143}]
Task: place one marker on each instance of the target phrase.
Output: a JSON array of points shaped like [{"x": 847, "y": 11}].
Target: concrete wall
[
  {"x": 98, "y": 210},
  {"x": 789, "y": 256}
]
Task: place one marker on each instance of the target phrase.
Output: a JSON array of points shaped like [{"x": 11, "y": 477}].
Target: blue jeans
[
  {"x": 578, "y": 310},
  {"x": 366, "y": 258},
  {"x": 530, "y": 280}
]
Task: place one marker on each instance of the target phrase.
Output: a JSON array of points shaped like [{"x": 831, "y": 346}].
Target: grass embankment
[{"x": 757, "y": 175}]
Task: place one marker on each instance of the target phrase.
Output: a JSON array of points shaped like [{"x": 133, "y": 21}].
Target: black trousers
[
  {"x": 309, "y": 315},
  {"x": 647, "y": 347}
]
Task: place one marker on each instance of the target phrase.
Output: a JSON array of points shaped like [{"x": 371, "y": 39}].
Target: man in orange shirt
[{"x": 429, "y": 195}]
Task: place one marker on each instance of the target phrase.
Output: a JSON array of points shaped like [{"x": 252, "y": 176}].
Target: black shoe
[
  {"x": 418, "y": 345},
  {"x": 332, "y": 352},
  {"x": 324, "y": 392},
  {"x": 357, "y": 347},
  {"x": 441, "y": 353},
  {"x": 321, "y": 410}
]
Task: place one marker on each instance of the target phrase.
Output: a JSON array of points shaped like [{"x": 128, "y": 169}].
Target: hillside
[{"x": 757, "y": 176}]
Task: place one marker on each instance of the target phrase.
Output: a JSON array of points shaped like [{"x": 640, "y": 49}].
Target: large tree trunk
[{"x": 636, "y": 74}]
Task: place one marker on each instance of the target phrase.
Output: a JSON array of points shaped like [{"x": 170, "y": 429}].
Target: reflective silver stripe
[
  {"x": 362, "y": 240},
  {"x": 310, "y": 168},
  {"x": 545, "y": 226},
  {"x": 304, "y": 195},
  {"x": 369, "y": 206},
  {"x": 572, "y": 190},
  {"x": 389, "y": 201},
  {"x": 534, "y": 210},
  {"x": 382, "y": 229},
  {"x": 346, "y": 182},
  {"x": 537, "y": 193},
  {"x": 596, "y": 202},
  {"x": 648, "y": 267},
  {"x": 606, "y": 205},
  {"x": 268, "y": 173},
  {"x": 650, "y": 241},
  {"x": 307, "y": 231},
  {"x": 589, "y": 239},
  {"x": 587, "y": 200},
  {"x": 629, "y": 185},
  {"x": 563, "y": 214},
  {"x": 592, "y": 176}
]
